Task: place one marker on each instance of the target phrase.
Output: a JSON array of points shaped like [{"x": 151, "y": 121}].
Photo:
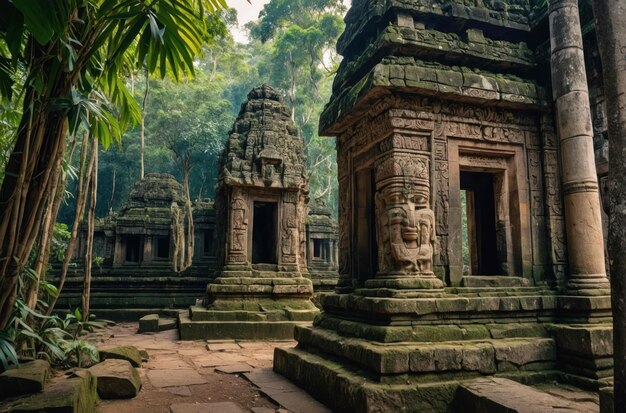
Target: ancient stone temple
[
  {"x": 260, "y": 290},
  {"x": 132, "y": 274},
  {"x": 321, "y": 246},
  {"x": 445, "y": 112}
]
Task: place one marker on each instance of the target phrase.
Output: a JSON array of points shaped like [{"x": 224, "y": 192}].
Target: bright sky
[
  {"x": 245, "y": 12},
  {"x": 250, "y": 11}
]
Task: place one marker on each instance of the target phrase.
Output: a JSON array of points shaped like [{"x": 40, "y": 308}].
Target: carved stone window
[{"x": 321, "y": 249}]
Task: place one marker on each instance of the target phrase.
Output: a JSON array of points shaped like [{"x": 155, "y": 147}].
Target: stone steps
[
  {"x": 486, "y": 356},
  {"x": 499, "y": 395},
  {"x": 239, "y": 330},
  {"x": 345, "y": 387}
]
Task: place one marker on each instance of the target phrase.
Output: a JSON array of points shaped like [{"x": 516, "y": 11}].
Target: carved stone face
[{"x": 406, "y": 224}]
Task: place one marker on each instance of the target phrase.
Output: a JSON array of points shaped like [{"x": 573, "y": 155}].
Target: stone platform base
[
  {"x": 348, "y": 389},
  {"x": 235, "y": 330},
  {"x": 246, "y": 320}
]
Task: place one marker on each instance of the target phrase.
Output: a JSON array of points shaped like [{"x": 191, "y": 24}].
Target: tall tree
[
  {"x": 302, "y": 35},
  {"x": 88, "y": 262},
  {"x": 610, "y": 18},
  {"x": 189, "y": 120},
  {"x": 73, "y": 52}
]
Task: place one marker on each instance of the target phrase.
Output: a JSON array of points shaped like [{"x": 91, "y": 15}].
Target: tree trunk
[
  {"x": 81, "y": 198},
  {"x": 112, "y": 192},
  {"x": 49, "y": 222},
  {"x": 144, "y": 107},
  {"x": 90, "y": 228},
  {"x": 610, "y": 18},
  {"x": 26, "y": 185},
  {"x": 189, "y": 247}
]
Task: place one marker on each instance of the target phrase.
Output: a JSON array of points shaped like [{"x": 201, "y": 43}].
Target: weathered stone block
[
  {"x": 520, "y": 352},
  {"x": 116, "y": 379},
  {"x": 448, "y": 357},
  {"x": 128, "y": 353},
  {"x": 149, "y": 323},
  {"x": 28, "y": 378},
  {"x": 479, "y": 357},
  {"x": 592, "y": 341},
  {"x": 73, "y": 395}
]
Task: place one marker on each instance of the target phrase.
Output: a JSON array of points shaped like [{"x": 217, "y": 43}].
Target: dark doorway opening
[
  {"x": 264, "y": 233},
  {"x": 480, "y": 213},
  {"x": 134, "y": 248},
  {"x": 163, "y": 248},
  {"x": 317, "y": 248},
  {"x": 209, "y": 245}
]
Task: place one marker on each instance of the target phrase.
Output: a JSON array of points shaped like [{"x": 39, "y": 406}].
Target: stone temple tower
[
  {"x": 260, "y": 290},
  {"x": 445, "y": 112}
]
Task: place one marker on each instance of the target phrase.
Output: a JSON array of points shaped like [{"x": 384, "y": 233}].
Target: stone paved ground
[{"x": 196, "y": 377}]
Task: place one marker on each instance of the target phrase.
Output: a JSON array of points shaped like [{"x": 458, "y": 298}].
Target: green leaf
[
  {"x": 40, "y": 17},
  {"x": 78, "y": 315}
]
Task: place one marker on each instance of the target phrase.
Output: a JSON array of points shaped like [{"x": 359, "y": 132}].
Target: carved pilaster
[
  {"x": 405, "y": 222},
  {"x": 237, "y": 253}
]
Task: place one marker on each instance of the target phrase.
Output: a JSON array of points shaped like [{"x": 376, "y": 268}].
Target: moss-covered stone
[
  {"x": 128, "y": 353},
  {"x": 116, "y": 379},
  {"x": 64, "y": 395},
  {"x": 28, "y": 378}
]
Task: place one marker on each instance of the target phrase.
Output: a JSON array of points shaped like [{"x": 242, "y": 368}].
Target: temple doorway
[
  {"x": 480, "y": 246},
  {"x": 134, "y": 249},
  {"x": 264, "y": 233}
]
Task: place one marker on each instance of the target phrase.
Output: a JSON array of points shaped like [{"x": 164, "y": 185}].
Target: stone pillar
[
  {"x": 148, "y": 247},
  {"x": 118, "y": 252},
  {"x": 583, "y": 222}
]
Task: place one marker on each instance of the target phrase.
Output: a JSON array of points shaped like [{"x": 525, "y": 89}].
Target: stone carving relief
[
  {"x": 443, "y": 193},
  {"x": 412, "y": 166},
  {"x": 405, "y": 142},
  {"x": 406, "y": 230},
  {"x": 344, "y": 226},
  {"x": 239, "y": 228}
]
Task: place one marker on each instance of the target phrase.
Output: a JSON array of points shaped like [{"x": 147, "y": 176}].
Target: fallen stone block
[
  {"x": 168, "y": 324},
  {"x": 149, "y": 323},
  {"x": 27, "y": 379},
  {"x": 128, "y": 353},
  {"x": 116, "y": 379},
  {"x": 64, "y": 395}
]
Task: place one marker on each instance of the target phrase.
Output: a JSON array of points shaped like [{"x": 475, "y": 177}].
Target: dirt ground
[{"x": 185, "y": 371}]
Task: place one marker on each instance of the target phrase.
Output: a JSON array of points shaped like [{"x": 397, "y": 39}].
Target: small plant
[
  {"x": 51, "y": 337},
  {"x": 8, "y": 355},
  {"x": 98, "y": 261}
]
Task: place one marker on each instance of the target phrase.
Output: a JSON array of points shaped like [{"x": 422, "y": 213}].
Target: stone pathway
[{"x": 201, "y": 377}]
